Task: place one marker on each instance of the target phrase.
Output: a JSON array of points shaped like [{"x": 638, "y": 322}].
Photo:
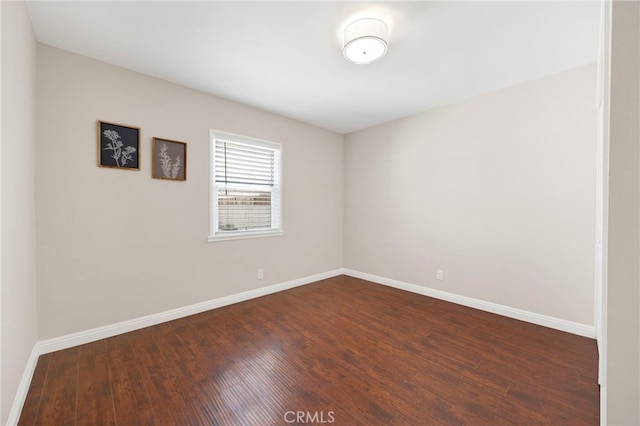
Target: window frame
[{"x": 215, "y": 234}]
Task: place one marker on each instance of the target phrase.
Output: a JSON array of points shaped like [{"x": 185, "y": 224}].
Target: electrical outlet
[
  {"x": 260, "y": 273},
  {"x": 439, "y": 274}
]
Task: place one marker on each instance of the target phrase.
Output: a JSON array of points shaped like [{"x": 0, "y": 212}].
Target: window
[{"x": 245, "y": 187}]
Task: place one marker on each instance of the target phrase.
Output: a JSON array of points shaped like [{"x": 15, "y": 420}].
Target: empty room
[{"x": 272, "y": 213}]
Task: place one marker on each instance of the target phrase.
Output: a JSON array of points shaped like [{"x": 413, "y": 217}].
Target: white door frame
[{"x": 602, "y": 199}]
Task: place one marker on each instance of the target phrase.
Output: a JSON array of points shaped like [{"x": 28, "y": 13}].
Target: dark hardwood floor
[{"x": 341, "y": 351}]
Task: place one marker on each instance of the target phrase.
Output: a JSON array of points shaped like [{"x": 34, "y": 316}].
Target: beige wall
[
  {"x": 498, "y": 191},
  {"x": 18, "y": 278},
  {"x": 623, "y": 288},
  {"x": 115, "y": 245}
]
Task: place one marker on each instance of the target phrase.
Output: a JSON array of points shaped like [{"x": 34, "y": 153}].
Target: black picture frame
[
  {"x": 118, "y": 146},
  {"x": 169, "y": 160}
]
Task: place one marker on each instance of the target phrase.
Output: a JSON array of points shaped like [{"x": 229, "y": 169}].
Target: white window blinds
[
  {"x": 243, "y": 164},
  {"x": 246, "y": 177}
]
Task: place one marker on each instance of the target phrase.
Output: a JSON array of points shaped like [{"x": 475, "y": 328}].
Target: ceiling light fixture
[{"x": 365, "y": 41}]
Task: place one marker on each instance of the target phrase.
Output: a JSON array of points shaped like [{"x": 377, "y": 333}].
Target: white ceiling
[{"x": 286, "y": 57}]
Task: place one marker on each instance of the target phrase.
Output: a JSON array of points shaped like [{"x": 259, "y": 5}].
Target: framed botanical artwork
[
  {"x": 169, "y": 159},
  {"x": 118, "y": 146}
]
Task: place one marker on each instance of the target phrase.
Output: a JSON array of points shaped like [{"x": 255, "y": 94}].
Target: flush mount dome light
[{"x": 365, "y": 41}]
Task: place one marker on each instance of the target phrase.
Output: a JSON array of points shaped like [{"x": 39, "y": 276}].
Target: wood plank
[
  {"x": 166, "y": 394},
  {"x": 58, "y": 401},
  {"x": 130, "y": 397},
  {"x": 32, "y": 401},
  {"x": 95, "y": 399}
]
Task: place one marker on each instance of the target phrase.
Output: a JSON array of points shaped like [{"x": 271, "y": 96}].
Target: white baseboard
[
  {"x": 87, "y": 336},
  {"x": 23, "y": 387},
  {"x": 507, "y": 311},
  {"x": 80, "y": 338}
]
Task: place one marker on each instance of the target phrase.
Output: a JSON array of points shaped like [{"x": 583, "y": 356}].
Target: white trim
[
  {"x": 507, "y": 311},
  {"x": 82, "y": 337},
  {"x": 247, "y": 140},
  {"x": 276, "y": 209},
  {"x": 23, "y": 386},
  {"x": 602, "y": 287},
  {"x": 240, "y": 235}
]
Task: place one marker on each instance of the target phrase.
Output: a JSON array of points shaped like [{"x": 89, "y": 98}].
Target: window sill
[{"x": 240, "y": 235}]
